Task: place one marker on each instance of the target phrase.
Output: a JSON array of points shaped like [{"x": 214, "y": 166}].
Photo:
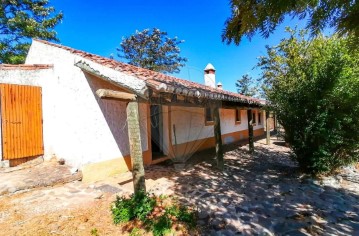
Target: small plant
[
  {"x": 162, "y": 225},
  {"x": 187, "y": 216},
  {"x": 94, "y": 232},
  {"x": 135, "y": 232},
  {"x": 157, "y": 214},
  {"x": 138, "y": 206},
  {"x": 143, "y": 205}
]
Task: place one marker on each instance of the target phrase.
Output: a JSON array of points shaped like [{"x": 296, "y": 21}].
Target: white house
[{"x": 90, "y": 132}]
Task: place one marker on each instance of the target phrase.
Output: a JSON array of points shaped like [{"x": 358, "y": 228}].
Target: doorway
[{"x": 21, "y": 123}]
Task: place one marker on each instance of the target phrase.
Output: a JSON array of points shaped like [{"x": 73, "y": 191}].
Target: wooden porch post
[
  {"x": 134, "y": 134},
  {"x": 218, "y": 137},
  {"x": 250, "y": 131},
  {"x": 267, "y": 128}
]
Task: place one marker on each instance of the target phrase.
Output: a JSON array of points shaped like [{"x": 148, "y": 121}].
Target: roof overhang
[{"x": 127, "y": 82}]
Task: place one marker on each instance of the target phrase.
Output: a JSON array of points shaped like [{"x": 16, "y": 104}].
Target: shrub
[
  {"x": 138, "y": 206},
  {"x": 157, "y": 214},
  {"x": 162, "y": 225},
  {"x": 182, "y": 213},
  {"x": 313, "y": 88}
]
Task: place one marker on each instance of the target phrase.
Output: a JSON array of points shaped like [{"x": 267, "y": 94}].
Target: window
[
  {"x": 238, "y": 116},
  {"x": 209, "y": 116},
  {"x": 259, "y": 118}
]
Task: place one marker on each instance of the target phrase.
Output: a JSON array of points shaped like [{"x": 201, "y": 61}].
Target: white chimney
[
  {"x": 219, "y": 86},
  {"x": 210, "y": 76}
]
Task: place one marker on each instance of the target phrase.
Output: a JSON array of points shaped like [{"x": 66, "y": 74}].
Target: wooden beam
[
  {"x": 112, "y": 94},
  {"x": 187, "y": 101},
  {"x": 250, "y": 131},
  {"x": 134, "y": 134},
  {"x": 175, "y": 102},
  {"x": 218, "y": 136}
]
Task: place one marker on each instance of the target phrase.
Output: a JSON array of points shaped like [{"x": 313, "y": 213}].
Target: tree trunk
[
  {"x": 250, "y": 131},
  {"x": 218, "y": 137},
  {"x": 267, "y": 128},
  {"x": 134, "y": 134}
]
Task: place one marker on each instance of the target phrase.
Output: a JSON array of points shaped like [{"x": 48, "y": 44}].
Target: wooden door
[{"x": 21, "y": 121}]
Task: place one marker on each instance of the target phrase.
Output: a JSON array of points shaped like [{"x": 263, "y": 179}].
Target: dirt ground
[
  {"x": 22, "y": 219},
  {"x": 88, "y": 216},
  {"x": 261, "y": 195}
]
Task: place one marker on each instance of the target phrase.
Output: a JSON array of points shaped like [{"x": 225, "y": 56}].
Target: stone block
[{"x": 5, "y": 164}]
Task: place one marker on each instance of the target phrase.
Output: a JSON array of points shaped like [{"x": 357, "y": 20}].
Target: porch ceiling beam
[
  {"x": 112, "y": 94},
  {"x": 200, "y": 93},
  {"x": 173, "y": 100},
  {"x": 155, "y": 96}
]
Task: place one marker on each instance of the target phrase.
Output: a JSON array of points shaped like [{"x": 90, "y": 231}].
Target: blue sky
[{"x": 97, "y": 26}]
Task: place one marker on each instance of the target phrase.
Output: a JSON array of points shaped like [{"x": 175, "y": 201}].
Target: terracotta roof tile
[{"x": 147, "y": 75}]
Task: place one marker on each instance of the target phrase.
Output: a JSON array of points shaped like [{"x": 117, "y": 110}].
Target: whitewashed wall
[
  {"x": 259, "y": 125},
  {"x": 190, "y": 124},
  {"x": 229, "y": 125},
  {"x": 78, "y": 126}
]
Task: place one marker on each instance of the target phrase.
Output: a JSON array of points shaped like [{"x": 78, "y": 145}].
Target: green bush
[
  {"x": 162, "y": 225},
  {"x": 158, "y": 214},
  {"x": 182, "y": 213},
  {"x": 137, "y": 206},
  {"x": 313, "y": 87}
]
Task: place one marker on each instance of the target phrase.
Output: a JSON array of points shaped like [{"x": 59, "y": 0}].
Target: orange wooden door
[{"x": 21, "y": 121}]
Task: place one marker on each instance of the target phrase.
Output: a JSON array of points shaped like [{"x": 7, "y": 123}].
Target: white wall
[
  {"x": 229, "y": 125},
  {"x": 190, "y": 124},
  {"x": 78, "y": 126},
  {"x": 259, "y": 125}
]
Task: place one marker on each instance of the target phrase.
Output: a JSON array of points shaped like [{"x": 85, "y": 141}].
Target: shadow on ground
[{"x": 261, "y": 194}]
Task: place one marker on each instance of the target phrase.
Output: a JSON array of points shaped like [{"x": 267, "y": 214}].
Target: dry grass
[
  {"x": 78, "y": 221},
  {"x": 96, "y": 217}
]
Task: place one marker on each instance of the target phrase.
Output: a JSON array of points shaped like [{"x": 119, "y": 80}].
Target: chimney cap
[
  {"x": 209, "y": 67},
  {"x": 219, "y": 84}
]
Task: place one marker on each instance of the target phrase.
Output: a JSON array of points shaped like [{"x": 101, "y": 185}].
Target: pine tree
[
  {"x": 152, "y": 49},
  {"x": 21, "y": 20},
  {"x": 244, "y": 86}
]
